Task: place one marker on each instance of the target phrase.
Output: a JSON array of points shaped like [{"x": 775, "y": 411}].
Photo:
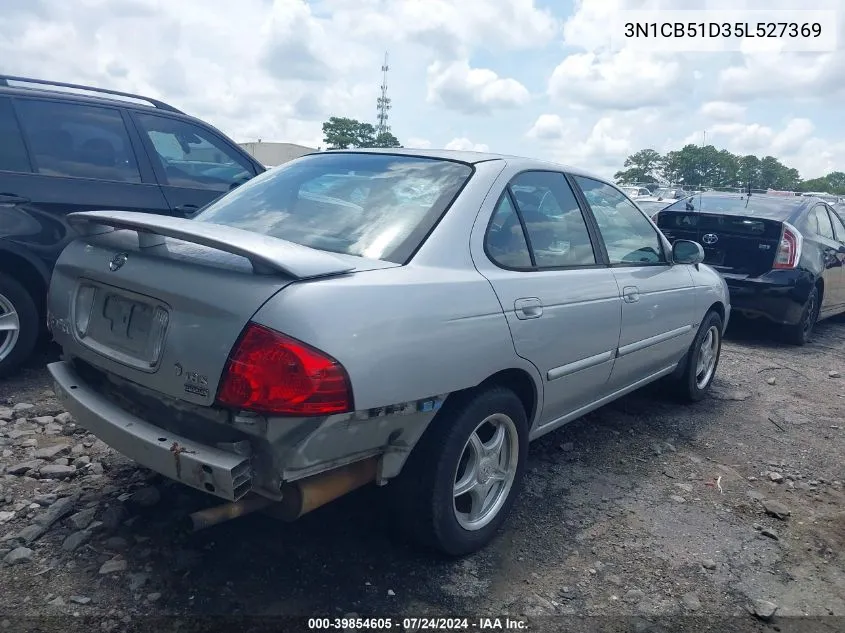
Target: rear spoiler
[{"x": 268, "y": 255}]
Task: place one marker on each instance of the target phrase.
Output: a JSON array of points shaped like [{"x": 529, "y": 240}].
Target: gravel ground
[{"x": 730, "y": 508}]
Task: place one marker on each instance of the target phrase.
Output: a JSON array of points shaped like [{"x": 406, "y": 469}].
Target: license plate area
[{"x": 122, "y": 325}]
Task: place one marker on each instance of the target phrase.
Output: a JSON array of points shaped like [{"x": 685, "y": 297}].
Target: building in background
[{"x": 272, "y": 154}]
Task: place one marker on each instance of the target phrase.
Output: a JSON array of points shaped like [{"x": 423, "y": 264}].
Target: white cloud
[
  {"x": 417, "y": 143},
  {"x": 722, "y": 111},
  {"x": 755, "y": 138},
  {"x": 448, "y": 27},
  {"x": 548, "y": 127},
  {"x": 466, "y": 145},
  {"x": 623, "y": 80},
  {"x": 472, "y": 90}
]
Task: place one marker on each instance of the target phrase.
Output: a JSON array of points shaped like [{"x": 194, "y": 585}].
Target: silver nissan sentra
[{"x": 409, "y": 318}]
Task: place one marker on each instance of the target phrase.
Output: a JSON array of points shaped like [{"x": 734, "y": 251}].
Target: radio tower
[{"x": 383, "y": 102}]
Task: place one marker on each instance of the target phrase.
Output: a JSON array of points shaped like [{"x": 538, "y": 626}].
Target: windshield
[{"x": 374, "y": 205}]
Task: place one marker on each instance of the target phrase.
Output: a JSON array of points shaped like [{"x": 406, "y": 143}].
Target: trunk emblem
[
  {"x": 710, "y": 238},
  {"x": 118, "y": 261}
]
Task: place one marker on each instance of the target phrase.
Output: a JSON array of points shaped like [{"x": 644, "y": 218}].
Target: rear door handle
[
  {"x": 631, "y": 294},
  {"x": 11, "y": 200},
  {"x": 528, "y": 308}
]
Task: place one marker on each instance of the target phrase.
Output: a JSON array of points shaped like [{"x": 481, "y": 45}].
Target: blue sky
[{"x": 531, "y": 77}]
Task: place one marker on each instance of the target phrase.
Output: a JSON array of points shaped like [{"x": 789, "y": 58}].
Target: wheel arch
[{"x": 31, "y": 275}]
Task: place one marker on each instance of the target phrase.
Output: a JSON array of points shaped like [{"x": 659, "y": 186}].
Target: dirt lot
[{"x": 644, "y": 508}]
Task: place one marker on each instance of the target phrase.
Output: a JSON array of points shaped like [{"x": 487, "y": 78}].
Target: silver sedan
[{"x": 408, "y": 318}]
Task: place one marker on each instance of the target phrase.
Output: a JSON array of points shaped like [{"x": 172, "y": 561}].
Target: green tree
[
  {"x": 386, "y": 139},
  {"x": 644, "y": 166},
  {"x": 345, "y": 133}
]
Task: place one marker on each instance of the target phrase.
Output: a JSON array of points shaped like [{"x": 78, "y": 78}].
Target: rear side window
[
  {"x": 378, "y": 206},
  {"x": 838, "y": 226},
  {"x": 557, "y": 231},
  {"x": 193, "y": 157},
  {"x": 12, "y": 149},
  {"x": 505, "y": 240},
  {"x": 820, "y": 222},
  {"x": 82, "y": 141}
]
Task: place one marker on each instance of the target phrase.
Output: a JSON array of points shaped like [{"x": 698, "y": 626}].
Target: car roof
[
  {"x": 764, "y": 206},
  {"x": 471, "y": 158},
  {"x": 92, "y": 95}
]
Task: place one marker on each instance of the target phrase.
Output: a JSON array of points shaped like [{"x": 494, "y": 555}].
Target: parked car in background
[
  {"x": 636, "y": 192},
  {"x": 669, "y": 193},
  {"x": 295, "y": 340},
  {"x": 783, "y": 257},
  {"x": 62, "y": 151},
  {"x": 652, "y": 206}
]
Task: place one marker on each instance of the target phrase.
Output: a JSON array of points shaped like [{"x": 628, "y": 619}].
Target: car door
[
  {"x": 194, "y": 164},
  {"x": 560, "y": 299},
  {"x": 659, "y": 313},
  {"x": 831, "y": 235},
  {"x": 82, "y": 158}
]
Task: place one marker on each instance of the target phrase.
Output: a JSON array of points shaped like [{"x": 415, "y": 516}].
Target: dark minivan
[
  {"x": 783, "y": 257},
  {"x": 66, "y": 147}
]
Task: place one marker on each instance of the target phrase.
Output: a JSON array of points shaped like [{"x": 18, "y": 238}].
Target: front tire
[
  {"x": 701, "y": 360},
  {"x": 801, "y": 332},
  {"x": 19, "y": 324},
  {"x": 462, "y": 478}
]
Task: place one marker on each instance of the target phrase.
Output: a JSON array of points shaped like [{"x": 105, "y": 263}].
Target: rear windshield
[
  {"x": 725, "y": 213},
  {"x": 374, "y": 205}
]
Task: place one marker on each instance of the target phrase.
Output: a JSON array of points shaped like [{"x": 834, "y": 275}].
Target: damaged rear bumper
[{"x": 207, "y": 468}]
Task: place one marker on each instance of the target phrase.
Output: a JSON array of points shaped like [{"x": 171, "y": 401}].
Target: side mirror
[
  {"x": 842, "y": 249},
  {"x": 687, "y": 252}
]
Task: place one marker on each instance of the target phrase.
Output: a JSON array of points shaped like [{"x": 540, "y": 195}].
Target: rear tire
[
  {"x": 19, "y": 324},
  {"x": 457, "y": 453},
  {"x": 801, "y": 332},
  {"x": 701, "y": 360}
]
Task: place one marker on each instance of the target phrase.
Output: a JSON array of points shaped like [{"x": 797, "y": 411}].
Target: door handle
[
  {"x": 528, "y": 308},
  {"x": 631, "y": 294},
  {"x": 186, "y": 209},
  {"x": 11, "y": 200}
]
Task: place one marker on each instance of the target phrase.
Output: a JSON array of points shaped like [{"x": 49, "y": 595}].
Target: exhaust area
[{"x": 298, "y": 498}]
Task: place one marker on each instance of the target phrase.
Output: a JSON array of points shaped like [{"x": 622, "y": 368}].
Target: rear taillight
[
  {"x": 268, "y": 372},
  {"x": 789, "y": 249}
]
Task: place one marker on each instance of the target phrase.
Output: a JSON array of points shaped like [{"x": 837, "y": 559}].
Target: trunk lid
[
  {"x": 735, "y": 244},
  {"x": 164, "y": 312}
]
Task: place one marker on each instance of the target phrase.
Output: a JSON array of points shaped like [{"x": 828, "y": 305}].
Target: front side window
[
  {"x": 628, "y": 236},
  {"x": 193, "y": 157},
  {"x": 557, "y": 232},
  {"x": 378, "y": 206},
  {"x": 69, "y": 139}
]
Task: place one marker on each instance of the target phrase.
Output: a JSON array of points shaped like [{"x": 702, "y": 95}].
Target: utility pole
[{"x": 383, "y": 102}]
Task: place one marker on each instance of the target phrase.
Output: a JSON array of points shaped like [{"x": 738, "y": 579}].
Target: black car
[
  {"x": 63, "y": 151},
  {"x": 783, "y": 258}
]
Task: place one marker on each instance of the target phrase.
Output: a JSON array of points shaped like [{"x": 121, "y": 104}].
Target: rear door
[
  {"x": 560, "y": 299},
  {"x": 839, "y": 231},
  {"x": 194, "y": 164},
  {"x": 82, "y": 158},
  {"x": 659, "y": 308},
  {"x": 821, "y": 224}
]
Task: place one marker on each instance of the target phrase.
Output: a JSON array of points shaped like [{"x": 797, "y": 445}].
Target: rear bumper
[
  {"x": 778, "y": 296},
  {"x": 207, "y": 468}
]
